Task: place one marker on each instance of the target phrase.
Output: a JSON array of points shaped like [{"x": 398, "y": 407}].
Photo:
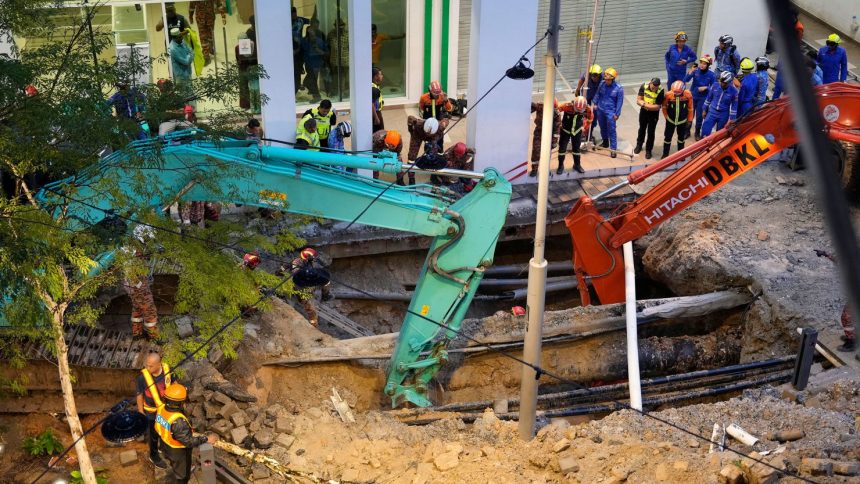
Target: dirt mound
[{"x": 762, "y": 229}]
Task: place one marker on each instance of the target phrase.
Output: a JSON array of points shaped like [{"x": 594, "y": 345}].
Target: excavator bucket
[{"x": 593, "y": 258}]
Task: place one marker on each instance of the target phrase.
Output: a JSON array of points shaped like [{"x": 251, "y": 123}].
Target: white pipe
[
  {"x": 536, "y": 297},
  {"x": 741, "y": 435},
  {"x": 632, "y": 334}
]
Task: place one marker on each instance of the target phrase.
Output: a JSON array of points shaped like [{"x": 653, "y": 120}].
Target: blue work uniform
[
  {"x": 607, "y": 104},
  {"x": 592, "y": 87},
  {"x": 833, "y": 63},
  {"x": 726, "y": 60},
  {"x": 721, "y": 105},
  {"x": 700, "y": 78},
  {"x": 747, "y": 93},
  {"x": 761, "y": 89},
  {"x": 779, "y": 83},
  {"x": 675, "y": 72}
]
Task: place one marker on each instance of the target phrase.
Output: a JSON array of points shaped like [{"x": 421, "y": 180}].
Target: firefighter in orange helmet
[{"x": 177, "y": 438}]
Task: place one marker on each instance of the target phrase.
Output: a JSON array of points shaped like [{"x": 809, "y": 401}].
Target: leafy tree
[{"x": 50, "y": 271}]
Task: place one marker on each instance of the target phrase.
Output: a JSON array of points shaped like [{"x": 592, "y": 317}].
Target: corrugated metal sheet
[{"x": 630, "y": 35}]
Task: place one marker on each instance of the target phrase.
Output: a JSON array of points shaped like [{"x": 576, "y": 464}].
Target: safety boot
[
  {"x": 604, "y": 143},
  {"x": 560, "y": 169},
  {"x": 578, "y": 168},
  {"x": 613, "y": 154},
  {"x": 648, "y": 155},
  {"x": 847, "y": 347},
  {"x": 637, "y": 149},
  {"x": 666, "y": 148}
]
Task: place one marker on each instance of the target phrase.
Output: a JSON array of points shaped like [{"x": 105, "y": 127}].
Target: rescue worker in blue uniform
[
  {"x": 677, "y": 57},
  {"x": 749, "y": 86},
  {"x": 833, "y": 61},
  {"x": 762, "y": 64},
  {"x": 814, "y": 78},
  {"x": 702, "y": 78},
  {"x": 726, "y": 57},
  {"x": 607, "y": 108},
  {"x": 591, "y": 83},
  {"x": 721, "y": 105}
]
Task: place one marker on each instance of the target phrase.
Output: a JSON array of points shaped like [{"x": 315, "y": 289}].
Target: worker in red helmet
[
  {"x": 31, "y": 90},
  {"x": 678, "y": 109},
  {"x": 306, "y": 278},
  {"x": 537, "y": 108},
  {"x": 459, "y": 157},
  {"x": 576, "y": 119}
]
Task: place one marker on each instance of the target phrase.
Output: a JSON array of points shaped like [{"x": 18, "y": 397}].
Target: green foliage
[
  {"x": 76, "y": 478},
  {"x": 43, "y": 444},
  {"x": 47, "y": 252}
]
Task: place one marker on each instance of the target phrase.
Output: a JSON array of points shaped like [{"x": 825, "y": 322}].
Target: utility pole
[{"x": 538, "y": 265}]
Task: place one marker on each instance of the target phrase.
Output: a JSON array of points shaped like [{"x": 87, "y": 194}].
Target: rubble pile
[{"x": 624, "y": 446}]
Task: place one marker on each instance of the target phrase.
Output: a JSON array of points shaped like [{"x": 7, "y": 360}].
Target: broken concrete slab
[
  {"x": 732, "y": 474},
  {"x": 128, "y": 457},
  {"x": 238, "y": 435},
  {"x": 285, "y": 440},
  {"x": 447, "y": 461},
  {"x": 263, "y": 439},
  {"x": 816, "y": 467},
  {"x": 239, "y": 418}
]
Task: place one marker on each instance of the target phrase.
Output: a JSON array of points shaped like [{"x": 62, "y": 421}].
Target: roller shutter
[
  {"x": 630, "y": 35},
  {"x": 465, "y": 28}
]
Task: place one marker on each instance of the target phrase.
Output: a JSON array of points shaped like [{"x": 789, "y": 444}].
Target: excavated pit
[{"x": 668, "y": 346}]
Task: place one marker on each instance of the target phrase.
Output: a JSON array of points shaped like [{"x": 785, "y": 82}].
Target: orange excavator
[{"x": 714, "y": 162}]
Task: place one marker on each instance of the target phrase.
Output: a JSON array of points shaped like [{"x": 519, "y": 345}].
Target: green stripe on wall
[
  {"x": 428, "y": 40},
  {"x": 446, "y": 11}
]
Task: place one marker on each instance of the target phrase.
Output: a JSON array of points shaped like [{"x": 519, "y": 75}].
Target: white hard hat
[{"x": 431, "y": 126}]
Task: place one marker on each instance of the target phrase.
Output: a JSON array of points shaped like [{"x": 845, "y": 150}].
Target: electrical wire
[
  {"x": 409, "y": 170},
  {"x": 539, "y": 371},
  {"x": 266, "y": 294}
]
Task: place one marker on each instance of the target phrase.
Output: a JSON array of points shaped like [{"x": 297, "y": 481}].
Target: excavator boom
[
  {"x": 308, "y": 182},
  {"x": 715, "y": 161}
]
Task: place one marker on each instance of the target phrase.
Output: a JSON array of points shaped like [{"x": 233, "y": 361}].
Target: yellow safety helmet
[
  {"x": 834, "y": 38},
  {"x": 747, "y": 64},
  {"x": 595, "y": 69},
  {"x": 610, "y": 73}
]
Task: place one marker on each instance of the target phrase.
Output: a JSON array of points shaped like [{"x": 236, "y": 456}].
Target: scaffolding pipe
[
  {"x": 588, "y": 65},
  {"x": 632, "y": 333}
]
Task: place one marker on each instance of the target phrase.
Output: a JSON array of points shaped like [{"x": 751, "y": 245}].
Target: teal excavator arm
[{"x": 465, "y": 231}]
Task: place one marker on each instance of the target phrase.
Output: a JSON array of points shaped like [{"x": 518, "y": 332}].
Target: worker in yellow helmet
[
  {"x": 607, "y": 108},
  {"x": 833, "y": 60}
]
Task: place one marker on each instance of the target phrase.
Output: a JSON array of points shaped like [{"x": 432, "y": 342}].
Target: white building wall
[
  {"x": 745, "y": 20},
  {"x": 842, "y": 15},
  {"x": 275, "y": 54},
  {"x": 499, "y": 126}
]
